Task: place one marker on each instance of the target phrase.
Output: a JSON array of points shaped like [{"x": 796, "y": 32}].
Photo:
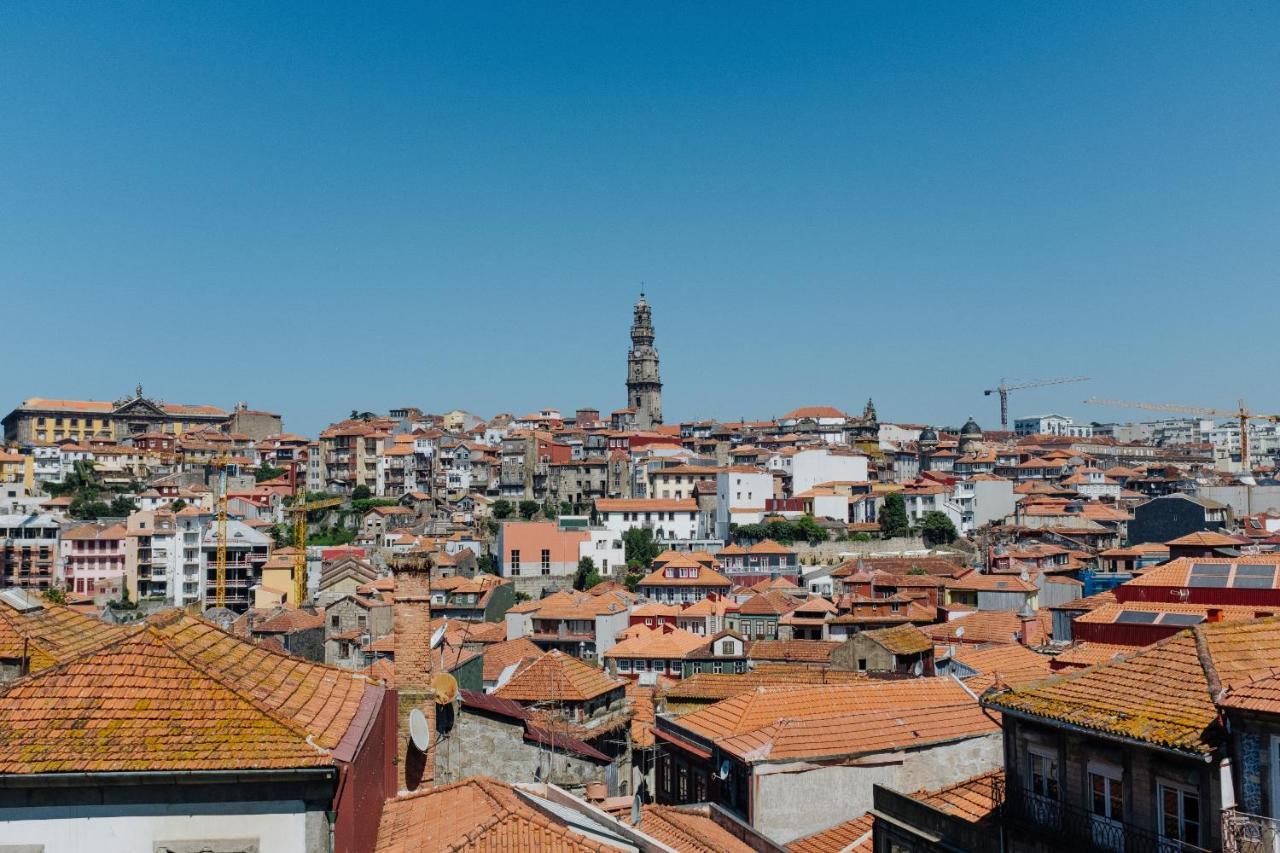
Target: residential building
[
  {"x": 682, "y": 579},
  {"x": 1170, "y": 516},
  {"x": 763, "y": 561},
  {"x": 1052, "y": 425},
  {"x": 582, "y": 624},
  {"x": 93, "y": 554},
  {"x": 810, "y": 468},
  {"x": 670, "y": 520},
  {"x": 29, "y": 550}
]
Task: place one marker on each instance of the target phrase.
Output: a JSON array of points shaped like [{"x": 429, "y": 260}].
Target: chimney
[
  {"x": 412, "y": 625},
  {"x": 1030, "y": 633},
  {"x": 1214, "y": 614}
]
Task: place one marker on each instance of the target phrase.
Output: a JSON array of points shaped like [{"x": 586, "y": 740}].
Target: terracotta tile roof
[
  {"x": 1262, "y": 695},
  {"x": 860, "y": 733},
  {"x": 176, "y": 693},
  {"x": 852, "y": 836},
  {"x": 478, "y": 815},
  {"x": 705, "y": 686},
  {"x": 705, "y": 577},
  {"x": 672, "y": 643},
  {"x": 973, "y": 800},
  {"x": 987, "y": 626},
  {"x": 900, "y": 565},
  {"x": 556, "y": 675},
  {"x": 805, "y": 651},
  {"x": 645, "y": 505},
  {"x": 290, "y": 619},
  {"x": 689, "y": 829},
  {"x": 764, "y": 706},
  {"x": 1163, "y": 694},
  {"x": 1177, "y": 572},
  {"x": 1209, "y": 539},
  {"x": 641, "y": 701},
  {"x": 576, "y": 605},
  {"x": 773, "y": 602},
  {"x": 1011, "y": 664},
  {"x": 813, "y": 412},
  {"x": 901, "y": 639},
  {"x": 498, "y": 656},
  {"x": 1082, "y": 655},
  {"x": 53, "y": 634},
  {"x": 1109, "y": 614},
  {"x": 988, "y": 582}
]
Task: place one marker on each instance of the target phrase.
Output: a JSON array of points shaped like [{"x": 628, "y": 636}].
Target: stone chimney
[
  {"x": 1031, "y": 633},
  {"x": 412, "y": 621}
]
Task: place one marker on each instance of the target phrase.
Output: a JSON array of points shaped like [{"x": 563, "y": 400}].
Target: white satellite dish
[
  {"x": 960, "y": 631},
  {"x": 724, "y": 770},
  {"x": 419, "y": 730},
  {"x": 439, "y": 634},
  {"x": 1023, "y": 574},
  {"x": 505, "y": 676},
  {"x": 918, "y": 669},
  {"x": 636, "y": 805}
]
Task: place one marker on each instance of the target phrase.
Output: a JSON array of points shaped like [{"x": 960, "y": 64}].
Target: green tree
[
  {"x": 586, "y": 576},
  {"x": 893, "y": 516},
  {"x": 751, "y": 532},
  {"x": 361, "y": 493},
  {"x": 528, "y": 509},
  {"x": 936, "y": 528},
  {"x": 267, "y": 472},
  {"x": 639, "y": 546},
  {"x": 123, "y": 507},
  {"x": 86, "y": 508},
  {"x": 809, "y": 529},
  {"x": 55, "y": 595},
  {"x": 178, "y": 506},
  {"x": 487, "y": 563},
  {"x": 502, "y": 509},
  {"x": 632, "y": 580}
]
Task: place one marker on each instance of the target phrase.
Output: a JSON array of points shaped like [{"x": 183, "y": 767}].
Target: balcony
[
  {"x": 1249, "y": 833},
  {"x": 1062, "y": 826}
]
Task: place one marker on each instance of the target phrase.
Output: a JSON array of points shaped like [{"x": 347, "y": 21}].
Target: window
[
  {"x": 726, "y": 647},
  {"x": 515, "y": 561},
  {"x": 1106, "y": 802},
  {"x": 1179, "y": 813},
  {"x": 862, "y": 664},
  {"x": 333, "y": 621},
  {"x": 546, "y": 560},
  {"x": 717, "y": 667},
  {"x": 1044, "y": 774},
  {"x": 624, "y": 665}
]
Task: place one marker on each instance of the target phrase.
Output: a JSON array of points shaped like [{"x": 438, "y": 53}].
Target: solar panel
[
  {"x": 1253, "y": 583},
  {"x": 1137, "y": 617},
  {"x": 1207, "y": 581},
  {"x": 1182, "y": 619},
  {"x": 1210, "y": 569},
  {"x": 1255, "y": 570}
]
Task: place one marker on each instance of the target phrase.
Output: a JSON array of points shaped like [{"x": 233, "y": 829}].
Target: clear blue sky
[{"x": 317, "y": 208}]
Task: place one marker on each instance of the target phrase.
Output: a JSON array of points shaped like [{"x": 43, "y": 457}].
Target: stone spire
[{"x": 644, "y": 384}]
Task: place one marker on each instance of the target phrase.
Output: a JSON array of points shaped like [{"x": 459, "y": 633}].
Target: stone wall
[{"x": 479, "y": 744}]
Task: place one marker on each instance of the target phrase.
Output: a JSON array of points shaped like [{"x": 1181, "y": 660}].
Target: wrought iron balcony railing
[
  {"x": 1076, "y": 828},
  {"x": 1249, "y": 833}
]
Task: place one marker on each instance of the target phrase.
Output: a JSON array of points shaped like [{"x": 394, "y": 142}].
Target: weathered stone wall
[{"x": 481, "y": 745}]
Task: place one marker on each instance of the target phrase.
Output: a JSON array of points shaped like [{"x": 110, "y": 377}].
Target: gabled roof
[
  {"x": 705, "y": 577},
  {"x": 53, "y": 634},
  {"x": 177, "y": 693},
  {"x": 988, "y": 626},
  {"x": 797, "y": 651},
  {"x": 476, "y": 814},
  {"x": 771, "y": 603},
  {"x": 689, "y": 829},
  {"x": 901, "y": 639},
  {"x": 557, "y": 676},
  {"x": 498, "y": 656},
  {"x": 707, "y": 686},
  {"x": 673, "y": 643},
  {"x": 1209, "y": 539},
  {"x": 852, "y": 836},
  {"x": 1163, "y": 694}
]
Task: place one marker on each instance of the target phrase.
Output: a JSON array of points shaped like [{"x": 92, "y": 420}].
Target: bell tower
[{"x": 644, "y": 384}]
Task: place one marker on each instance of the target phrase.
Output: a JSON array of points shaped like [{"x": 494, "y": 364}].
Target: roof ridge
[{"x": 133, "y": 631}]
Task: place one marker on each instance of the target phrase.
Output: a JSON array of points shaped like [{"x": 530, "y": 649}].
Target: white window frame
[{"x": 1182, "y": 790}]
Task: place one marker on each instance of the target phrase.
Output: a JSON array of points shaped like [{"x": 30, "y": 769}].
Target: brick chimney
[
  {"x": 412, "y": 621},
  {"x": 1214, "y": 614},
  {"x": 1032, "y": 635}
]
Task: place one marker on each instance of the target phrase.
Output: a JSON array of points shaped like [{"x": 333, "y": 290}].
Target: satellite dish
[
  {"x": 419, "y": 730},
  {"x": 438, "y": 635},
  {"x": 445, "y": 688},
  {"x": 505, "y": 676},
  {"x": 918, "y": 669},
  {"x": 724, "y": 770},
  {"x": 1023, "y": 574},
  {"x": 636, "y": 804},
  {"x": 960, "y": 631}
]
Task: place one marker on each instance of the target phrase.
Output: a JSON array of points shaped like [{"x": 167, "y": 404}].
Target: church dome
[
  {"x": 971, "y": 428},
  {"x": 928, "y": 434}
]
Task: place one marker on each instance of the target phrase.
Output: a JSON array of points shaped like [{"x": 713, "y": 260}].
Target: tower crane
[
  {"x": 299, "y": 509},
  {"x": 220, "y": 464},
  {"x": 1240, "y": 414},
  {"x": 1004, "y": 388}
]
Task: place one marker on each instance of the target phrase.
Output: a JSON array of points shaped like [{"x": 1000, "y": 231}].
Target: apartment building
[{"x": 28, "y": 550}]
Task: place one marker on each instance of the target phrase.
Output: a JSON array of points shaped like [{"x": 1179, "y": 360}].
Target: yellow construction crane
[
  {"x": 299, "y": 508},
  {"x": 1241, "y": 414},
  {"x": 220, "y": 464},
  {"x": 1004, "y": 388}
]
